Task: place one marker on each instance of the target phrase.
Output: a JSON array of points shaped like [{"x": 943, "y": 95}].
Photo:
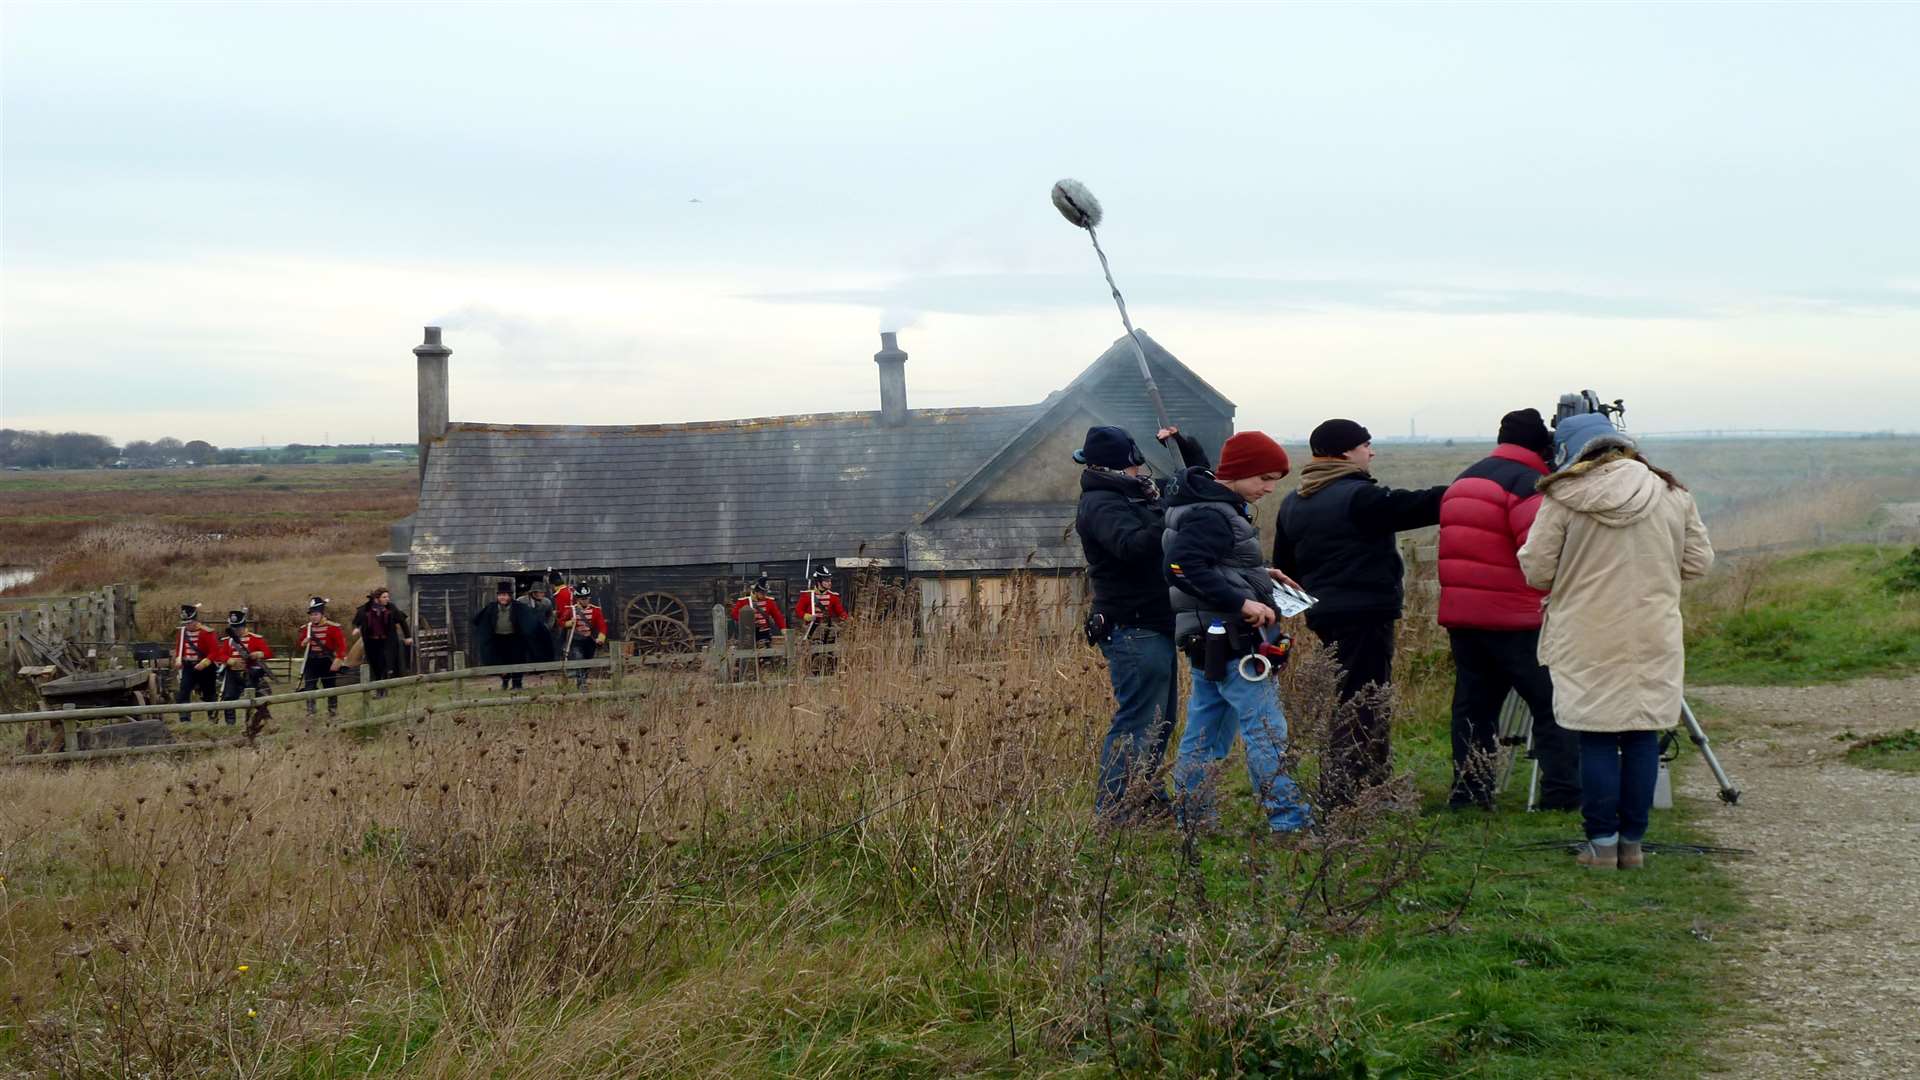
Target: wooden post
[
  {"x": 749, "y": 642},
  {"x": 70, "y": 731},
  {"x": 366, "y": 699},
  {"x": 619, "y": 659},
  {"x": 717, "y": 648}
]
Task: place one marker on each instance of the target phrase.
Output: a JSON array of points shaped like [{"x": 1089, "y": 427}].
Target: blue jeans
[
  {"x": 1216, "y": 712},
  {"x": 1617, "y": 774},
  {"x": 1146, "y": 694}
]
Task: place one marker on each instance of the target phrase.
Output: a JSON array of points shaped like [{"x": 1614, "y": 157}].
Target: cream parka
[{"x": 1611, "y": 545}]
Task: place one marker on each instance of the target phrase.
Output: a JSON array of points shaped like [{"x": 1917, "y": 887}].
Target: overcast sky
[{"x": 230, "y": 221}]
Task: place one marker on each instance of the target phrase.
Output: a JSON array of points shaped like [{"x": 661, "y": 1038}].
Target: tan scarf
[{"x": 1320, "y": 472}]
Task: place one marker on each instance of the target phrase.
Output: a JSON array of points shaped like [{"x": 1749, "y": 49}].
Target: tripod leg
[
  {"x": 1516, "y": 730},
  {"x": 1533, "y": 783},
  {"x": 1728, "y": 793}
]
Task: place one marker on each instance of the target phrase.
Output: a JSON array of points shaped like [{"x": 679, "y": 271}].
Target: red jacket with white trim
[
  {"x": 329, "y": 637},
  {"x": 767, "y": 606},
  {"x": 254, "y": 644},
  {"x": 803, "y": 607},
  {"x": 590, "y": 614},
  {"x": 192, "y": 646}
]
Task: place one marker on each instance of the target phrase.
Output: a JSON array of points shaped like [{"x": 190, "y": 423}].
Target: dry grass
[
  {"x": 1805, "y": 513},
  {"x": 653, "y": 888},
  {"x": 264, "y": 538}
]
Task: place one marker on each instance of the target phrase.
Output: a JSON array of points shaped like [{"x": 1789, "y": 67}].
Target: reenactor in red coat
[
  {"x": 819, "y": 608},
  {"x": 765, "y": 614},
  {"x": 241, "y": 657},
  {"x": 195, "y": 652},
  {"x": 584, "y": 626},
  {"x": 322, "y": 646}
]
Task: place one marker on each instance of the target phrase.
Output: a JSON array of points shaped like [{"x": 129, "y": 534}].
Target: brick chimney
[
  {"x": 893, "y": 380},
  {"x": 432, "y": 357}
]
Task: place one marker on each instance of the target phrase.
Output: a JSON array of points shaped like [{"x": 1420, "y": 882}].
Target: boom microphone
[{"x": 1081, "y": 209}]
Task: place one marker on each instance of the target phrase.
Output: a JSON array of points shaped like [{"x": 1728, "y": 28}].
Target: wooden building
[{"x": 665, "y": 520}]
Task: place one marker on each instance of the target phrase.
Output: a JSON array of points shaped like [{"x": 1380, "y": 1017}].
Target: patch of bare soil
[{"x": 1834, "y": 967}]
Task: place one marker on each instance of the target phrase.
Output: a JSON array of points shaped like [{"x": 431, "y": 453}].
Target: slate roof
[{"x": 498, "y": 497}]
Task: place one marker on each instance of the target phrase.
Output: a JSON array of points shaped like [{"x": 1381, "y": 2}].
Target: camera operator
[
  {"x": 1492, "y": 616},
  {"x": 1120, "y": 519},
  {"x": 1612, "y": 542},
  {"x": 1336, "y": 536}
]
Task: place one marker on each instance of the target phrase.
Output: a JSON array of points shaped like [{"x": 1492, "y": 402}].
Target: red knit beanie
[{"x": 1250, "y": 453}]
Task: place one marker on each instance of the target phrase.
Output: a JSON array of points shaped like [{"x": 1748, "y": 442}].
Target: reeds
[{"x": 625, "y": 889}]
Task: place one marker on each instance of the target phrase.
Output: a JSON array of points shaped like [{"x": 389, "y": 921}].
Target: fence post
[
  {"x": 619, "y": 659},
  {"x": 70, "y": 730},
  {"x": 366, "y": 699},
  {"x": 717, "y": 648},
  {"x": 749, "y": 641}
]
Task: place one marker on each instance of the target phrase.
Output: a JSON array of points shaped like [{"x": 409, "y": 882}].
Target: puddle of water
[{"x": 16, "y": 575}]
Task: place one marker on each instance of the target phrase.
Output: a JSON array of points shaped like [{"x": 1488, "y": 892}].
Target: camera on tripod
[{"x": 1587, "y": 402}]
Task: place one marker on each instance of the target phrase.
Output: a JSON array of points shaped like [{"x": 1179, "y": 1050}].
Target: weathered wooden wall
[{"x": 99, "y": 619}]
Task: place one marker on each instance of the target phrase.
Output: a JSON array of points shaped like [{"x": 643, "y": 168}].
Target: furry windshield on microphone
[
  {"x": 1076, "y": 203},
  {"x": 1079, "y": 207}
]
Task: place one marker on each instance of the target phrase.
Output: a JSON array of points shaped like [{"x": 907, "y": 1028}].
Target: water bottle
[{"x": 1216, "y": 653}]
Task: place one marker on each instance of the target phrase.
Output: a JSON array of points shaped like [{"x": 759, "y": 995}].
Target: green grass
[
  {"x": 1895, "y": 751},
  {"x": 1825, "y": 616}
]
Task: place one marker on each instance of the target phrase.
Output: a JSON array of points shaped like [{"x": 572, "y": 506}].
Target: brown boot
[
  {"x": 1599, "y": 856},
  {"x": 1630, "y": 856}
]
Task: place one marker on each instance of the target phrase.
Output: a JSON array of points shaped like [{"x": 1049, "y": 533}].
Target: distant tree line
[{"x": 81, "y": 450}]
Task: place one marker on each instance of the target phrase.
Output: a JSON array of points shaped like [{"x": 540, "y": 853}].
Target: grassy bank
[
  {"x": 887, "y": 874},
  {"x": 1823, "y": 616},
  {"x": 1896, "y": 751}
]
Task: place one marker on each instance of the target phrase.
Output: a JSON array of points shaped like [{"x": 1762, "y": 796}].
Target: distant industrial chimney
[
  {"x": 432, "y": 357},
  {"x": 893, "y": 380}
]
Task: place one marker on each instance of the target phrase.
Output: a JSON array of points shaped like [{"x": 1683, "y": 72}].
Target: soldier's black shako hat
[
  {"x": 555, "y": 577},
  {"x": 821, "y": 573},
  {"x": 237, "y": 618},
  {"x": 188, "y": 613},
  {"x": 581, "y": 592},
  {"x": 318, "y": 603},
  {"x": 761, "y": 585}
]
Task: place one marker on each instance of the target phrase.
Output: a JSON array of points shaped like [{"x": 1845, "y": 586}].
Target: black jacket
[
  {"x": 393, "y": 645},
  {"x": 1339, "y": 545},
  {"x": 1200, "y": 551},
  {"x": 1119, "y": 531},
  {"x": 526, "y": 627}
]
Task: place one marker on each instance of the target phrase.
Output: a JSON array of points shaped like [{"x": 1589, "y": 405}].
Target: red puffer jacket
[{"x": 1484, "y": 518}]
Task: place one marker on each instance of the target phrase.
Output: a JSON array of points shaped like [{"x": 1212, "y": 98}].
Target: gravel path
[{"x": 1835, "y": 967}]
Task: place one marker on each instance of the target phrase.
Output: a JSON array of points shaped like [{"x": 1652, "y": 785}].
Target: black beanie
[
  {"x": 1336, "y": 437},
  {"x": 1525, "y": 428}
]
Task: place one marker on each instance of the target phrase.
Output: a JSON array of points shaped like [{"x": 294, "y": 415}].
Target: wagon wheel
[
  {"x": 658, "y": 635},
  {"x": 646, "y": 605}
]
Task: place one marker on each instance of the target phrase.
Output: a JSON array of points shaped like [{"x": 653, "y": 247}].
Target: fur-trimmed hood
[{"x": 1614, "y": 489}]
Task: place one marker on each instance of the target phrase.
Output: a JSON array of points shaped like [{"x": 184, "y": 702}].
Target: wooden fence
[
  {"x": 729, "y": 663},
  {"x": 62, "y": 631}
]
